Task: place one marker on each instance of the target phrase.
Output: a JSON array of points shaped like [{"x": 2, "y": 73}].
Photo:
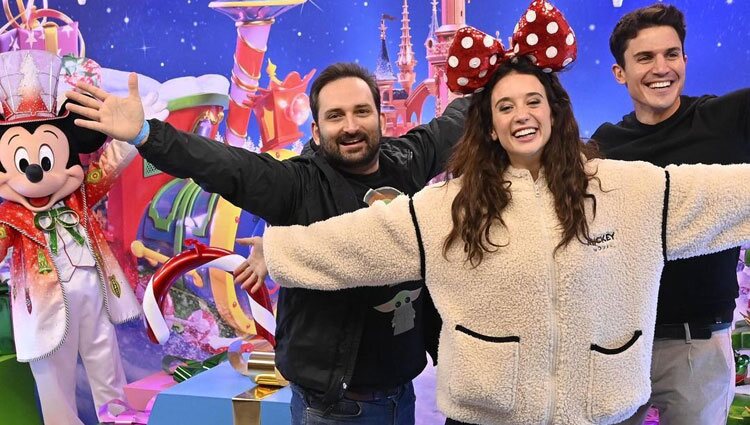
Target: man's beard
[{"x": 332, "y": 150}]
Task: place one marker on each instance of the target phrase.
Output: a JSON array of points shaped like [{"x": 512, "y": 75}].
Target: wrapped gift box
[
  {"x": 59, "y": 40},
  {"x": 741, "y": 338},
  {"x": 741, "y": 335},
  {"x": 18, "y": 400},
  {"x": 6, "y": 327},
  {"x": 221, "y": 396},
  {"x": 140, "y": 392},
  {"x": 738, "y": 412},
  {"x": 9, "y": 40}
]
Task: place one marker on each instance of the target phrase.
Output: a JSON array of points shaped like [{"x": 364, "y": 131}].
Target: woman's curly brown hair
[{"x": 481, "y": 163}]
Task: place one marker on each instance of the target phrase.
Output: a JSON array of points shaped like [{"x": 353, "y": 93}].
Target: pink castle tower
[
  {"x": 453, "y": 14},
  {"x": 384, "y": 75},
  {"x": 431, "y": 40},
  {"x": 406, "y": 61},
  {"x": 438, "y": 42},
  {"x": 403, "y": 105},
  {"x": 393, "y": 98}
]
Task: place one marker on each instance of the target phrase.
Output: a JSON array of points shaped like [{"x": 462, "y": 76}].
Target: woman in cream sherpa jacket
[{"x": 533, "y": 335}]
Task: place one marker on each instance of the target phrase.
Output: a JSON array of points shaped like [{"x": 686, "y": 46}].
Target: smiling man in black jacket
[
  {"x": 692, "y": 369},
  {"x": 349, "y": 355}
]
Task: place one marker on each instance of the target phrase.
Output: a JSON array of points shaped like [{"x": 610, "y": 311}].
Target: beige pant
[{"x": 692, "y": 381}]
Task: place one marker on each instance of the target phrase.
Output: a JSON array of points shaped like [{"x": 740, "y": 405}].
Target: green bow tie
[{"x": 47, "y": 221}]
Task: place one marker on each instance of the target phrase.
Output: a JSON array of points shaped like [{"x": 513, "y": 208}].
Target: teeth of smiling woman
[
  {"x": 660, "y": 84},
  {"x": 525, "y": 132}
]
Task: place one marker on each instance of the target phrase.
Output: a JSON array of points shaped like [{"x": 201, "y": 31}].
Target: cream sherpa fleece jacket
[{"x": 530, "y": 337}]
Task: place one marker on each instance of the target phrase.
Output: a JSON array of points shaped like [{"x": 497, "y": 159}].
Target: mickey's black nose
[{"x": 34, "y": 173}]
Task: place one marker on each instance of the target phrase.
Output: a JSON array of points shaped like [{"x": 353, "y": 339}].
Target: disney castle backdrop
[{"x": 185, "y": 37}]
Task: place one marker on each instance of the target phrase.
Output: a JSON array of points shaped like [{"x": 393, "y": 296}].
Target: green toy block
[{"x": 17, "y": 393}]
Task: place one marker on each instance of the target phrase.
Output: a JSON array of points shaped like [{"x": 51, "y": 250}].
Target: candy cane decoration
[{"x": 154, "y": 299}]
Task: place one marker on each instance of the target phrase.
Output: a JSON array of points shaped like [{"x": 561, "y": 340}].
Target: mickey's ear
[{"x": 82, "y": 140}]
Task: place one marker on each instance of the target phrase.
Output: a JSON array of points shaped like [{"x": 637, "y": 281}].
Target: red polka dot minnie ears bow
[{"x": 543, "y": 35}]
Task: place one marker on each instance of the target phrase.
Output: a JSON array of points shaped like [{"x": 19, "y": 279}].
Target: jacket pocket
[
  {"x": 619, "y": 380},
  {"x": 483, "y": 369}
]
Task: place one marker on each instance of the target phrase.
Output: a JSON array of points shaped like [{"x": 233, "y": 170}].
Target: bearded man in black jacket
[{"x": 350, "y": 358}]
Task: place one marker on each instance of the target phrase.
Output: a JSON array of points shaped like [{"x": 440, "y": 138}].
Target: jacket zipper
[{"x": 552, "y": 290}]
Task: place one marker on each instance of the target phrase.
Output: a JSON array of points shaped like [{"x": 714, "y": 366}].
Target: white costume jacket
[{"x": 41, "y": 312}]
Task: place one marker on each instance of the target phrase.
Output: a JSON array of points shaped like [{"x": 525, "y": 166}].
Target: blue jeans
[{"x": 397, "y": 409}]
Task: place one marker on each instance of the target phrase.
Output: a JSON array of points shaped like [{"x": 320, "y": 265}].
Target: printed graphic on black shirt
[
  {"x": 403, "y": 312},
  {"x": 401, "y": 304},
  {"x": 385, "y": 194}
]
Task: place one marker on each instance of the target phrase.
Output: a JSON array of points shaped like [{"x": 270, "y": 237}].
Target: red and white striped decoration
[{"x": 154, "y": 299}]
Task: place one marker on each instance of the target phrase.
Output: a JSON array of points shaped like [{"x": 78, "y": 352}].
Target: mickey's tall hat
[{"x": 28, "y": 89}]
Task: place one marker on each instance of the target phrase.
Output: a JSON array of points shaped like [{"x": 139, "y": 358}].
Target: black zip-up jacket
[{"x": 318, "y": 333}]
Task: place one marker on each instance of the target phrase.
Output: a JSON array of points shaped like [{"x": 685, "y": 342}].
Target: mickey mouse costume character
[{"x": 67, "y": 289}]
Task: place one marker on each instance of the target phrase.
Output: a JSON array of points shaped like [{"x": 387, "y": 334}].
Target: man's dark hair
[
  {"x": 338, "y": 71},
  {"x": 630, "y": 25}
]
